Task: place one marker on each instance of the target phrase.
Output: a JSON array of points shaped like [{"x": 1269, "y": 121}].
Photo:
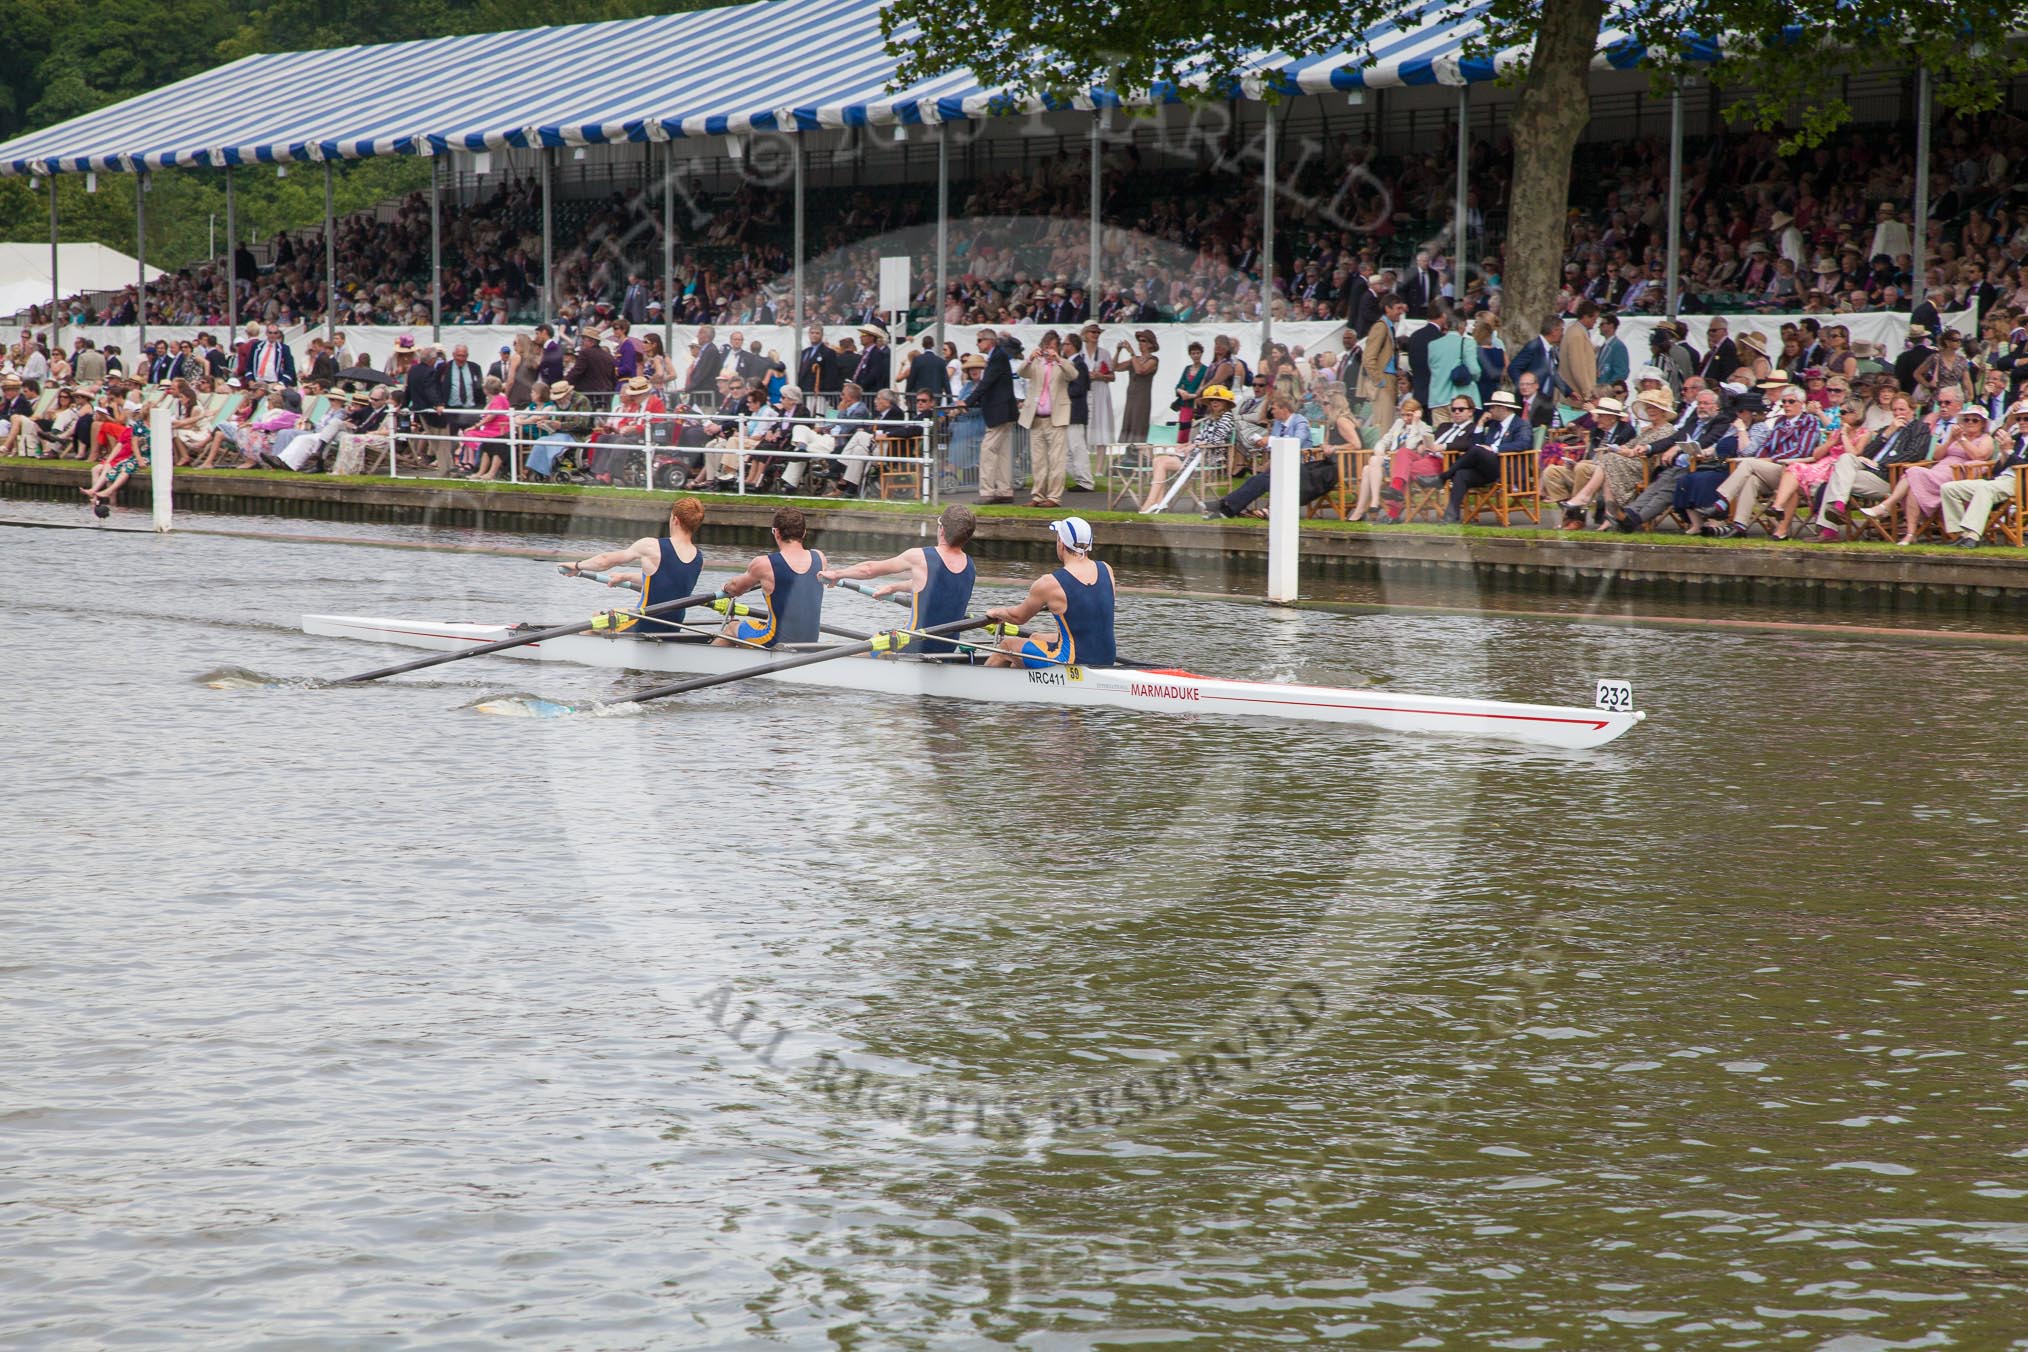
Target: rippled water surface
[{"x": 801, "y": 1018}]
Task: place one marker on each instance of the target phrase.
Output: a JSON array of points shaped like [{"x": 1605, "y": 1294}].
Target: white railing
[{"x": 645, "y": 441}]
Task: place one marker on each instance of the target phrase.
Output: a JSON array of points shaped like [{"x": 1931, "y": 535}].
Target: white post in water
[
  {"x": 1285, "y": 507},
  {"x": 161, "y": 462}
]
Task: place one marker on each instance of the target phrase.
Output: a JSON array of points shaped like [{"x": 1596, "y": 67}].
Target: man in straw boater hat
[{"x": 876, "y": 363}]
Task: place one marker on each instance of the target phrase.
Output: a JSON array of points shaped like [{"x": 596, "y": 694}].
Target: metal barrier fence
[{"x": 899, "y": 453}]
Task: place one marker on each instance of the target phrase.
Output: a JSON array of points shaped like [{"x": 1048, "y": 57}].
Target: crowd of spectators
[
  {"x": 1821, "y": 231},
  {"x": 1711, "y": 432}
]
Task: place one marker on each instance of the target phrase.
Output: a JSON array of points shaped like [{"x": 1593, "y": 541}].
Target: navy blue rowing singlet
[
  {"x": 1086, "y": 624},
  {"x": 672, "y": 580},
  {"x": 943, "y": 598},
  {"x": 797, "y": 602}
]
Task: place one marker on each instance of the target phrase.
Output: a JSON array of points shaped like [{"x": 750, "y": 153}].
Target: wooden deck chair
[
  {"x": 1517, "y": 492},
  {"x": 893, "y": 477},
  {"x": 2006, "y": 524},
  {"x": 1352, "y": 463}
]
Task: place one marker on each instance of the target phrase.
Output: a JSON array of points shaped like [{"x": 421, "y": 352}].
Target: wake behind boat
[{"x": 1164, "y": 692}]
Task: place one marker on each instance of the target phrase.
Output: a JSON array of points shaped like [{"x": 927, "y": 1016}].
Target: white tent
[{"x": 24, "y": 272}]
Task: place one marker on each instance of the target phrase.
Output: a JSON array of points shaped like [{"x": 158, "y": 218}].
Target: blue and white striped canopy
[{"x": 776, "y": 65}]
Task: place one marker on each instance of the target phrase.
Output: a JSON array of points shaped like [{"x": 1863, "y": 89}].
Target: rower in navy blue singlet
[
  {"x": 666, "y": 570},
  {"x": 1079, "y": 593},
  {"x": 939, "y": 581},
  {"x": 790, "y": 582}
]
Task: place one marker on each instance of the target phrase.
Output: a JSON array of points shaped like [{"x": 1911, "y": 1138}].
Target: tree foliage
[
  {"x": 1785, "y": 56},
  {"x": 1783, "y": 59}
]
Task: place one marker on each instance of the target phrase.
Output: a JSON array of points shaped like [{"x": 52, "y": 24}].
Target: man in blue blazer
[{"x": 994, "y": 397}]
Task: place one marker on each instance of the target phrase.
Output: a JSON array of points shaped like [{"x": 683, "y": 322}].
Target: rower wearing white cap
[{"x": 1079, "y": 593}]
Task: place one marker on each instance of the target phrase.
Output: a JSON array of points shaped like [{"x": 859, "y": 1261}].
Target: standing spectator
[
  {"x": 704, "y": 368},
  {"x": 993, "y": 396},
  {"x": 875, "y": 370},
  {"x": 1539, "y": 357},
  {"x": 1453, "y": 360},
  {"x": 1046, "y": 413},
  {"x": 1378, "y": 363},
  {"x": 1614, "y": 365},
  {"x": 593, "y": 374}
]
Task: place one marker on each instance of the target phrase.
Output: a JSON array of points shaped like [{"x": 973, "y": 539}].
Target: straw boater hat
[
  {"x": 1752, "y": 342},
  {"x": 561, "y": 389},
  {"x": 1504, "y": 399},
  {"x": 360, "y": 397},
  {"x": 873, "y": 330},
  {"x": 972, "y": 361},
  {"x": 637, "y": 385},
  {"x": 1657, "y": 399},
  {"x": 1781, "y": 221},
  {"x": 1610, "y": 406}
]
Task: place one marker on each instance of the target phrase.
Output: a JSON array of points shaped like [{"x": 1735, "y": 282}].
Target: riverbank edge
[{"x": 1846, "y": 576}]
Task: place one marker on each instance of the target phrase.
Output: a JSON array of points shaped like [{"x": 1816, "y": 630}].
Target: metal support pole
[
  {"x": 231, "y": 262},
  {"x": 1918, "y": 229},
  {"x": 796, "y": 307},
  {"x": 548, "y": 243},
  {"x": 141, "y": 267},
  {"x": 1675, "y": 197},
  {"x": 436, "y": 255},
  {"x": 330, "y": 261},
  {"x": 944, "y": 227},
  {"x": 1267, "y": 229},
  {"x": 55, "y": 289},
  {"x": 669, "y": 252},
  {"x": 1460, "y": 219},
  {"x": 1091, "y": 281}
]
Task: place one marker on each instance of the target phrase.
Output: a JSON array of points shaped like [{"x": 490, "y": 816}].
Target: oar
[
  {"x": 877, "y": 643},
  {"x": 541, "y": 635}
]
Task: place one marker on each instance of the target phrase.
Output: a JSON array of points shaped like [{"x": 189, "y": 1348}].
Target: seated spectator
[
  {"x": 1406, "y": 453},
  {"x": 1862, "y": 476},
  {"x": 1568, "y": 458},
  {"x": 369, "y": 428},
  {"x": 1968, "y": 504},
  {"x": 561, "y": 422},
  {"x": 621, "y": 441},
  {"x": 1500, "y": 429},
  {"x": 1921, "y": 486},
  {"x": 1211, "y": 430},
  {"x": 1790, "y": 433},
  {"x": 1802, "y": 478},
  {"x": 483, "y": 446}
]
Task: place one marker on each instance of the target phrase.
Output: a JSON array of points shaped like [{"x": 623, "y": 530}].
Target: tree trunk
[{"x": 1549, "y": 116}]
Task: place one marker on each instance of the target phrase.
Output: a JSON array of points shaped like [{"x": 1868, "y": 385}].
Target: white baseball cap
[{"x": 1074, "y": 532}]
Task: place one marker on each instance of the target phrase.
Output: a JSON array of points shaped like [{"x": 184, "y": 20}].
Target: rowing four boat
[{"x": 1165, "y": 692}]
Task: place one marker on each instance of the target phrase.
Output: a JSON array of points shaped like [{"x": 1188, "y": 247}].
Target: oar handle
[
  {"x": 901, "y": 599},
  {"x": 520, "y": 640},
  {"x": 605, "y": 577},
  {"x": 876, "y": 642}
]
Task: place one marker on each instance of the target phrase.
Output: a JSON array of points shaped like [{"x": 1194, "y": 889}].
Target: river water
[{"x": 806, "y": 1019}]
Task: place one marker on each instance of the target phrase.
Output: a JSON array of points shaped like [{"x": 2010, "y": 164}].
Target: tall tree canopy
[{"x": 1788, "y": 53}]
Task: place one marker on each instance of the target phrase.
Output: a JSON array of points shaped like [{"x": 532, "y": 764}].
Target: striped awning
[{"x": 776, "y": 65}]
